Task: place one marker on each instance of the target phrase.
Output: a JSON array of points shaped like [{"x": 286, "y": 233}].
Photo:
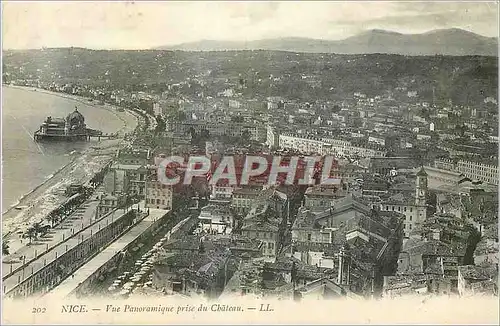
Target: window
[
  {"x": 392, "y": 207},
  {"x": 309, "y": 237},
  {"x": 411, "y": 209},
  {"x": 404, "y": 209}
]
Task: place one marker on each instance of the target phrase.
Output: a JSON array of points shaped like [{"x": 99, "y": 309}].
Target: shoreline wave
[{"x": 41, "y": 184}]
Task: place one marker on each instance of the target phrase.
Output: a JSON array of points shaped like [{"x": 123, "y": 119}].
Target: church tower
[{"x": 421, "y": 195}]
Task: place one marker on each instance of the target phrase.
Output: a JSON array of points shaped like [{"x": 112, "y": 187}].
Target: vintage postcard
[{"x": 258, "y": 162}]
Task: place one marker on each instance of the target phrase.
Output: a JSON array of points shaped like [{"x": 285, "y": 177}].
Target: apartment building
[{"x": 480, "y": 169}]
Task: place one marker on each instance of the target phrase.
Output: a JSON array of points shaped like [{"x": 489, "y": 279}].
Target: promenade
[
  {"x": 69, "y": 285},
  {"x": 31, "y": 267},
  {"x": 22, "y": 252}
]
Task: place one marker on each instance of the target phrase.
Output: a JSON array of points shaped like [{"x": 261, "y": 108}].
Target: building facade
[
  {"x": 414, "y": 208},
  {"x": 158, "y": 195}
]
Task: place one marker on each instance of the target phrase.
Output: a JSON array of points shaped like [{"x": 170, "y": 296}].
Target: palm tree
[
  {"x": 5, "y": 248},
  {"x": 31, "y": 233},
  {"x": 38, "y": 228}
]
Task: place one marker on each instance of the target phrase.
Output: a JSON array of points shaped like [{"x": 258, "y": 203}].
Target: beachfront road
[
  {"x": 81, "y": 218},
  {"x": 32, "y": 267}
]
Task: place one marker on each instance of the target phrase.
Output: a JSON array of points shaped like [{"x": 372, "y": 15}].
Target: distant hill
[
  {"x": 466, "y": 80},
  {"x": 455, "y": 42}
]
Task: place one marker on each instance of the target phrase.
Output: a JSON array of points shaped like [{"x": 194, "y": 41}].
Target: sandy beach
[{"x": 49, "y": 194}]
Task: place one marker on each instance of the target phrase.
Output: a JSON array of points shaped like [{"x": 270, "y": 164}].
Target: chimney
[{"x": 341, "y": 267}]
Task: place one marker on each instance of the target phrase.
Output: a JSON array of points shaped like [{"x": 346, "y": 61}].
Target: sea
[{"x": 26, "y": 163}]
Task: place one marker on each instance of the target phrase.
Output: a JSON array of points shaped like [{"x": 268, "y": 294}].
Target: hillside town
[{"x": 415, "y": 211}]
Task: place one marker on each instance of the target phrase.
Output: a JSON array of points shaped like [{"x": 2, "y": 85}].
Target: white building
[
  {"x": 216, "y": 218},
  {"x": 479, "y": 171},
  {"x": 346, "y": 148},
  {"x": 414, "y": 208},
  {"x": 158, "y": 195},
  {"x": 303, "y": 144},
  {"x": 272, "y": 136},
  {"x": 326, "y": 146},
  {"x": 474, "y": 170}
]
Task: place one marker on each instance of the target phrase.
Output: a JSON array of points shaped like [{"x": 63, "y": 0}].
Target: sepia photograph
[{"x": 239, "y": 162}]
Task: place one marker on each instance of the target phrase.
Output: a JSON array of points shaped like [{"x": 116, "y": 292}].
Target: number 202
[{"x": 38, "y": 310}]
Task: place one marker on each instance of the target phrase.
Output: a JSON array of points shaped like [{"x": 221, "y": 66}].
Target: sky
[{"x": 142, "y": 25}]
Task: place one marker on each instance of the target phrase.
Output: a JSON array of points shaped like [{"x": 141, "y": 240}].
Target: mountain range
[{"x": 454, "y": 42}]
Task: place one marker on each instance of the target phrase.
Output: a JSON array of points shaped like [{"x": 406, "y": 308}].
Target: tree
[
  {"x": 160, "y": 125},
  {"x": 425, "y": 113},
  {"x": 5, "y": 248},
  {"x": 246, "y": 136},
  {"x": 192, "y": 132},
  {"x": 488, "y": 212},
  {"x": 204, "y": 134},
  {"x": 472, "y": 241},
  {"x": 53, "y": 218},
  {"x": 38, "y": 229},
  {"x": 31, "y": 233},
  {"x": 460, "y": 129}
]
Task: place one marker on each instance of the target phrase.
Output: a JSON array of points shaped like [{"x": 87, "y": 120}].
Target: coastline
[
  {"x": 46, "y": 196},
  {"x": 48, "y": 179},
  {"x": 82, "y": 100}
]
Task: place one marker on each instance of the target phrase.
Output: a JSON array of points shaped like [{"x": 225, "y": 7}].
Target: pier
[
  {"x": 38, "y": 136},
  {"x": 71, "y": 128}
]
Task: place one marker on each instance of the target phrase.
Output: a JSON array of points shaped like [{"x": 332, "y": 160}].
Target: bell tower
[{"x": 421, "y": 194}]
